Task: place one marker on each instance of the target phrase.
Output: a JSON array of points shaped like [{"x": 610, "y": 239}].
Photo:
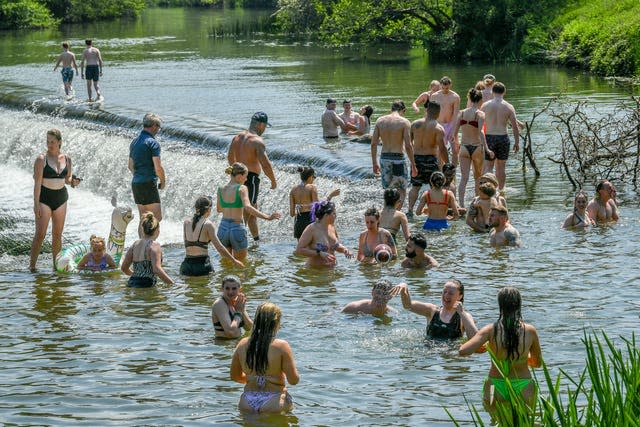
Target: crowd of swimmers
[{"x": 430, "y": 145}]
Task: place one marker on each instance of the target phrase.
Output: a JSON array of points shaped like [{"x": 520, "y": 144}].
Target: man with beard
[
  {"x": 503, "y": 233},
  {"x": 414, "y": 252}
]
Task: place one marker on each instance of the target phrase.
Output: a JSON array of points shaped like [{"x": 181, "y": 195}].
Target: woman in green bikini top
[{"x": 515, "y": 346}]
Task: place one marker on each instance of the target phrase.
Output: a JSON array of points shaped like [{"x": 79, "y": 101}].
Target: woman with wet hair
[
  {"x": 440, "y": 202},
  {"x": 145, "y": 255},
  {"x": 448, "y": 321},
  {"x": 515, "y": 347},
  {"x": 302, "y": 197},
  {"x": 198, "y": 232},
  {"x": 233, "y": 200},
  {"x": 391, "y": 218},
  {"x": 319, "y": 241},
  {"x": 579, "y": 218},
  {"x": 373, "y": 236},
  {"x": 264, "y": 364}
]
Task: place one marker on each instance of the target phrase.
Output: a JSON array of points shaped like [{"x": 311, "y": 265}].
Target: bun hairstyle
[
  {"x": 202, "y": 205},
  {"x": 488, "y": 188},
  {"x": 372, "y": 211},
  {"x": 391, "y": 197},
  {"x": 437, "y": 179},
  {"x": 320, "y": 209},
  {"x": 474, "y": 95},
  {"x": 96, "y": 240},
  {"x": 236, "y": 169},
  {"x": 306, "y": 172},
  {"x": 149, "y": 223}
]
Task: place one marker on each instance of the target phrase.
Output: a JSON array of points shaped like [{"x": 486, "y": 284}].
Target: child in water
[{"x": 98, "y": 258}]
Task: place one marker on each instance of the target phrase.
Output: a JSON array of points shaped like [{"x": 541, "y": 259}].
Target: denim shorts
[{"x": 232, "y": 234}]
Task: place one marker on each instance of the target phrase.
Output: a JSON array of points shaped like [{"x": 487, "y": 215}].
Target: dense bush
[{"x": 24, "y": 14}]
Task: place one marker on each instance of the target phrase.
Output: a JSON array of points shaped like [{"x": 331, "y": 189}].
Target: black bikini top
[
  {"x": 49, "y": 172},
  {"x": 197, "y": 242}
]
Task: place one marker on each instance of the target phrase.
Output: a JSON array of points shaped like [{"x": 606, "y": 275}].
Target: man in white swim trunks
[{"x": 449, "y": 108}]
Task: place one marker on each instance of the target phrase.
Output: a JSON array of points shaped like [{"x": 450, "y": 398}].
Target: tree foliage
[
  {"x": 24, "y": 14},
  {"x": 92, "y": 10}
]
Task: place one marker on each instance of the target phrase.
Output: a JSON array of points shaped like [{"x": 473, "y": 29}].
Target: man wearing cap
[
  {"x": 249, "y": 148},
  {"x": 332, "y": 122},
  {"x": 228, "y": 313},
  {"x": 488, "y": 80},
  {"x": 394, "y": 131},
  {"x": 415, "y": 255},
  {"x": 498, "y": 113},
  {"x": 449, "y": 108},
  {"x": 147, "y": 170},
  {"x": 503, "y": 233}
]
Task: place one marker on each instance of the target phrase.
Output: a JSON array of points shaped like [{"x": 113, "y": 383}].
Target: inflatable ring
[{"x": 69, "y": 257}]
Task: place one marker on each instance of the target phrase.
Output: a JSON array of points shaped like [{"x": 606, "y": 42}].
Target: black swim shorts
[
  {"x": 92, "y": 72},
  {"x": 253, "y": 186},
  {"x": 145, "y": 193},
  {"x": 426, "y": 165},
  {"x": 500, "y": 146}
]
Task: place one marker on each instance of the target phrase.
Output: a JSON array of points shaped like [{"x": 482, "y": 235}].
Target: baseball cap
[
  {"x": 490, "y": 77},
  {"x": 261, "y": 117}
]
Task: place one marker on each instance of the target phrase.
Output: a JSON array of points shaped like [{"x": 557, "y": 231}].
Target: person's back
[
  {"x": 303, "y": 196},
  {"x": 392, "y": 130},
  {"x": 245, "y": 147},
  {"x": 515, "y": 368},
  {"x": 438, "y": 202},
  {"x": 498, "y": 113},
  {"x": 91, "y": 55},
  {"x": 428, "y": 138},
  {"x": 274, "y": 375},
  {"x": 230, "y": 202}
]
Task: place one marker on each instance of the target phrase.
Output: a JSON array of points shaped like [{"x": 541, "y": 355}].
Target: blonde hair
[
  {"x": 55, "y": 133},
  {"x": 236, "y": 169},
  {"x": 149, "y": 223},
  {"x": 97, "y": 240}
]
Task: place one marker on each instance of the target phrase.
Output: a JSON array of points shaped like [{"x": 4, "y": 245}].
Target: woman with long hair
[
  {"x": 515, "y": 347},
  {"x": 198, "y": 232},
  {"x": 579, "y": 218},
  {"x": 319, "y": 241},
  {"x": 264, "y": 364},
  {"x": 233, "y": 200}
]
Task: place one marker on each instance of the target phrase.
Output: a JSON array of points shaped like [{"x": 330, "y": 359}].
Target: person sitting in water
[
  {"x": 262, "y": 363},
  {"x": 233, "y": 202},
  {"x": 391, "y": 218},
  {"x": 377, "y": 305},
  {"x": 145, "y": 255},
  {"x": 198, "y": 232},
  {"x": 97, "y": 258},
  {"x": 439, "y": 201},
  {"x": 579, "y": 218},
  {"x": 364, "y": 124},
  {"x": 603, "y": 207},
  {"x": 516, "y": 347},
  {"x": 373, "y": 236},
  {"x": 450, "y": 320},
  {"x": 228, "y": 312},
  {"x": 319, "y": 241},
  {"x": 503, "y": 233},
  {"x": 480, "y": 208},
  {"x": 415, "y": 255},
  {"x": 302, "y": 197}
]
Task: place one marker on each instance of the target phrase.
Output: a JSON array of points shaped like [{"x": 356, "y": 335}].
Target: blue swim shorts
[
  {"x": 67, "y": 74},
  {"x": 435, "y": 224}
]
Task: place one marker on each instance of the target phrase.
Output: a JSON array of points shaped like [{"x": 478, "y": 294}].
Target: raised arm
[
  {"x": 231, "y": 326},
  {"x": 468, "y": 324},
  {"x": 421, "y": 308}
]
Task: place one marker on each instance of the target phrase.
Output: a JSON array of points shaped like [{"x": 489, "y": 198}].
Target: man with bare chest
[
  {"x": 249, "y": 148},
  {"x": 348, "y": 116},
  {"x": 68, "y": 60},
  {"x": 93, "y": 71},
  {"x": 429, "y": 150},
  {"x": 603, "y": 208},
  {"x": 449, "y": 108},
  {"x": 503, "y": 233}
]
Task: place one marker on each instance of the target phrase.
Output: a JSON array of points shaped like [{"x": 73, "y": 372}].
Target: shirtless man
[
  {"x": 480, "y": 208},
  {"x": 449, "y": 108},
  {"x": 93, "y": 71},
  {"x": 428, "y": 150},
  {"x": 348, "y": 116},
  {"x": 423, "y": 98},
  {"x": 498, "y": 113},
  {"x": 414, "y": 252},
  {"x": 603, "y": 208},
  {"x": 487, "y": 93},
  {"x": 68, "y": 60},
  {"x": 395, "y": 133},
  {"x": 331, "y": 121},
  {"x": 248, "y": 147},
  {"x": 377, "y": 305},
  {"x": 228, "y": 313},
  {"x": 503, "y": 233}
]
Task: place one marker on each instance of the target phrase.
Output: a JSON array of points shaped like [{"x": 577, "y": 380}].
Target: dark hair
[
  {"x": 346, "y": 101},
  {"x": 498, "y": 88},
  {"x": 306, "y": 172},
  {"x": 445, "y": 80},
  {"x": 232, "y": 278},
  {"x": 65, "y": 45},
  {"x": 391, "y": 196},
  {"x": 510, "y": 319},
  {"x": 149, "y": 223},
  {"x": 368, "y": 111},
  {"x": 398, "y": 105},
  {"x": 372, "y": 211},
  {"x": 474, "y": 95},
  {"x": 331, "y": 101},
  {"x": 433, "y": 108},
  {"x": 88, "y": 42},
  {"x": 448, "y": 167},
  {"x": 202, "y": 204},
  {"x": 419, "y": 240},
  {"x": 320, "y": 209},
  {"x": 437, "y": 179},
  {"x": 460, "y": 286},
  {"x": 265, "y": 326}
]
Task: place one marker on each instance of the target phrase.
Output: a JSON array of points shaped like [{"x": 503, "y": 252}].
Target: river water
[{"x": 89, "y": 351}]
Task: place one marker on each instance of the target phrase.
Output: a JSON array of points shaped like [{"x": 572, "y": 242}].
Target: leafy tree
[
  {"x": 92, "y": 10},
  {"x": 24, "y": 14}
]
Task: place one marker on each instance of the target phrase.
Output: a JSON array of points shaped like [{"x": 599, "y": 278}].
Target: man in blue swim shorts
[
  {"x": 394, "y": 132},
  {"x": 68, "y": 60},
  {"x": 93, "y": 70},
  {"x": 498, "y": 113}
]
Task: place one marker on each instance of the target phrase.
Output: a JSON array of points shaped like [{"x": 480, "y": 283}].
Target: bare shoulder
[
  {"x": 280, "y": 344},
  {"x": 417, "y": 123}
]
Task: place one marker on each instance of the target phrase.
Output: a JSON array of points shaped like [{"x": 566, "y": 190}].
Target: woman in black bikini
[
  {"x": 51, "y": 172},
  {"x": 473, "y": 143},
  {"x": 450, "y": 320},
  {"x": 579, "y": 218},
  {"x": 198, "y": 232}
]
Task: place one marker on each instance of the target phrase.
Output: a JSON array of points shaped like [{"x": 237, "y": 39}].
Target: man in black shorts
[
  {"x": 145, "y": 164},
  {"x": 93, "y": 60}
]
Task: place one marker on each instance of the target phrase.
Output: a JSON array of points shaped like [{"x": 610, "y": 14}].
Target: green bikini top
[{"x": 237, "y": 203}]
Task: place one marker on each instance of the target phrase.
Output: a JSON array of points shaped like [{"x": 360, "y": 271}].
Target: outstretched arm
[
  {"x": 421, "y": 308},
  {"x": 477, "y": 341}
]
